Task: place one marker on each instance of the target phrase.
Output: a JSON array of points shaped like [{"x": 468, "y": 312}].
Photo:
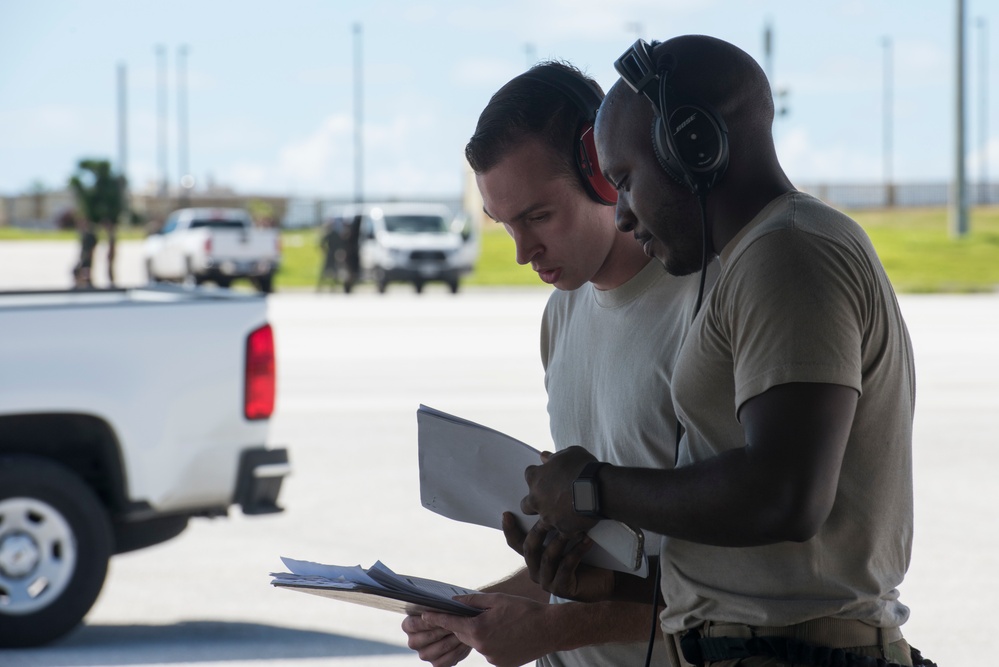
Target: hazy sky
[{"x": 270, "y": 84}]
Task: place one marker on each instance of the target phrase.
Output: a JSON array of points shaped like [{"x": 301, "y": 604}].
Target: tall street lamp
[
  {"x": 887, "y": 131},
  {"x": 983, "y": 110},
  {"x": 161, "y": 105},
  {"x": 358, "y": 118},
  {"x": 184, "y": 179},
  {"x": 958, "y": 190}
]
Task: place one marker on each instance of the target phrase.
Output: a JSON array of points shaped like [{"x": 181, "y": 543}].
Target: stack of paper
[{"x": 377, "y": 586}]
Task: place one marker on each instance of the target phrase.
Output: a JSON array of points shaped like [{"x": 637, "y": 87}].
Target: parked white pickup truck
[
  {"x": 113, "y": 433},
  {"x": 219, "y": 245}
]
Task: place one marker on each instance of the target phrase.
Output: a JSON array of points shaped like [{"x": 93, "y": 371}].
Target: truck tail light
[
  {"x": 258, "y": 403},
  {"x": 208, "y": 245}
]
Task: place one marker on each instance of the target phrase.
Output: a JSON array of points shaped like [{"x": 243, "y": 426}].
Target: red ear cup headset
[
  {"x": 586, "y": 97},
  {"x": 690, "y": 139}
]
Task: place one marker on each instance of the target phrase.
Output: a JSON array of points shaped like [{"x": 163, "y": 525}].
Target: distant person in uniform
[
  {"x": 333, "y": 245},
  {"x": 82, "y": 278},
  {"x": 352, "y": 243}
]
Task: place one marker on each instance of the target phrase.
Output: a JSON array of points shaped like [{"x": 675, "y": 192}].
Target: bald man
[{"x": 788, "y": 519}]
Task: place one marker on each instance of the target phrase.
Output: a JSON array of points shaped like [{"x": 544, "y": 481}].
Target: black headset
[
  {"x": 689, "y": 138},
  {"x": 586, "y": 97}
]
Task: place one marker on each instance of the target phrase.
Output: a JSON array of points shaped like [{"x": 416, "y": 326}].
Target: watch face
[{"x": 584, "y": 496}]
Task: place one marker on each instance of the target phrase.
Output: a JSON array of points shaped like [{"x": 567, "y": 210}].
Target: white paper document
[
  {"x": 378, "y": 587},
  {"x": 472, "y": 473}
]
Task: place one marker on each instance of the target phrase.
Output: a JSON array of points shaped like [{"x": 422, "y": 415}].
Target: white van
[{"x": 411, "y": 242}]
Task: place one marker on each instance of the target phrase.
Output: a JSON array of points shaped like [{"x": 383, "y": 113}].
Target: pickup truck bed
[{"x": 123, "y": 413}]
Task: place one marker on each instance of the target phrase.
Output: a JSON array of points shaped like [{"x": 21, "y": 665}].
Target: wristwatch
[{"x": 586, "y": 490}]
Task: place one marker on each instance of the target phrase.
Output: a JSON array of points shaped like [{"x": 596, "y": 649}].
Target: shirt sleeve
[{"x": 796, "y": 313}]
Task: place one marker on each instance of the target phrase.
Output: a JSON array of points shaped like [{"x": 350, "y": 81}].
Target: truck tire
[
  {"x": 264, "y": 283},
  {"x": 453, "y": 284},
  {"x": 381, "y": 280},
  {"x": 191, "y": 279},
  {"x": 55, "y": 542},
  {"x": 418, "y": 286},
  {"x": 223, "y": 281},
  {"x": 150, "y": 276}
]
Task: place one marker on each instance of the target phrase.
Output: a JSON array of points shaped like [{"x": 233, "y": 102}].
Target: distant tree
[
  {"x": 262, "y": 212},
  {"x": 100, "y": 196}
]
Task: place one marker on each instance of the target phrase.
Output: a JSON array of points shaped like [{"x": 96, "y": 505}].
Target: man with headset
[
  {"x": 535, "y": 164},
  {"x": 788, "y": 519}
]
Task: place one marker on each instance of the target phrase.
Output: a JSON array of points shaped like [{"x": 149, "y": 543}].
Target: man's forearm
[
  {"x": 578, "y": 624},
  {"x": 779, "y": 487},
  {"x": 739, "y": 511},
  {"x": 519, "y": 583},
  {"x": 631, "y": 589},
  {"x": 627, "y": 618}
]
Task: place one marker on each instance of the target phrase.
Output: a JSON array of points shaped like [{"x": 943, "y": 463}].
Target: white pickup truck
[
  {"x": 220, "y": 245},
  {"x": 113, "y": 435}
]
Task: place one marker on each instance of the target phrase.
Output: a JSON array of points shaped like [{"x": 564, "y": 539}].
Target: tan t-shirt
[
  {"x": 802, "y": 297},
  {"x": 610, "y": 393}
]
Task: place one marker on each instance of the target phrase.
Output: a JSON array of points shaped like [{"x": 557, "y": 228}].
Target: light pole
[
  {"x": 123, "y": 136},
  {"x": 161, "y": 104},
  {"x": 983, "y": 110},
  {"x": 122, "y": 108},
  {"x": 958, "y": 189},
  {"x": 768, "y": 45},
  {"x": 184, "y": 178},
  {"x": 779, "y": 94},
  {"x": 358, "y": 118},
  {"x": 887, "y": 131}
]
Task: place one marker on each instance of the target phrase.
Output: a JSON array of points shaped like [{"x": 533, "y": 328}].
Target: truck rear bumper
[
  {"x": 222, "y": 268},
  {"x": 424, "y": 273},
  {"x": 261, "y": 472}
]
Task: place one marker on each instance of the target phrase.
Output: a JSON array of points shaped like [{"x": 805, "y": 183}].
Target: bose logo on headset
[
  {"x": 684, "y": 124},
  {"x": 694, "y": 154}
]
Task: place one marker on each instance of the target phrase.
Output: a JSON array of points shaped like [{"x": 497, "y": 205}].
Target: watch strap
[{"x": 591, "y": 470}]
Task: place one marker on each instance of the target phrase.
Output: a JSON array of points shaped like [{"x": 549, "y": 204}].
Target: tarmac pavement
[{"x": 352, "y": 372}]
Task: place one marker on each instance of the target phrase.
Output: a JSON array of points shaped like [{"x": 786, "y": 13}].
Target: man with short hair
[
  {"x": 788, "y": 519},
  {"x": 535, "y": 167}
]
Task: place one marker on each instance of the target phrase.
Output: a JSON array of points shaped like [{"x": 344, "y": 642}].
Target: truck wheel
[
  {"x": 381, "y": 280},
  {"x": 453, "y": 285},
  {"x": 418, "y": 285},
  {"x": 190, "y": 278},
  {"x": 55, "y": 541},
  {"x": 223, "y": 282},
  {"x": 264, "y": 283}
]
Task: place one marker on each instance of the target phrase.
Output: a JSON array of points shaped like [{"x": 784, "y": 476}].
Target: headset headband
[{"x": 586, "y": 97}]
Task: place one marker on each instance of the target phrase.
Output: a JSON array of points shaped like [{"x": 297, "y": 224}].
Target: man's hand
[
  {"x": 434, "y": 644},
  {"x": 550, "y": 491},
  {"x": 553, "y": 562},
  {"x": 512, "y": 630}
]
